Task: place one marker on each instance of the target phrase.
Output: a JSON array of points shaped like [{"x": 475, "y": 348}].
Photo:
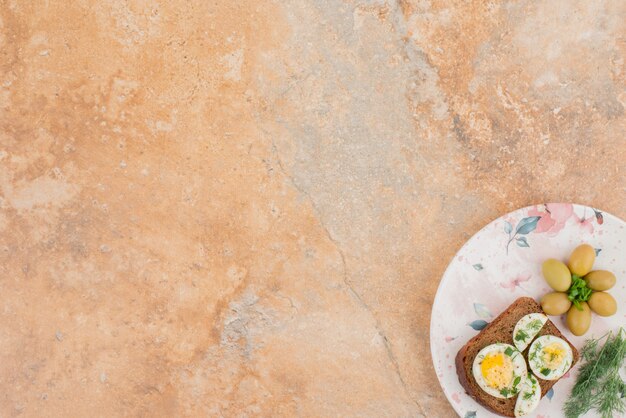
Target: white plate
[{"x": 498, "y": 265}]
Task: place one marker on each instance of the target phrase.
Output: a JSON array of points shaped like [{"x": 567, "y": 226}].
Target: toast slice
[{"x": 500, "y": 330}]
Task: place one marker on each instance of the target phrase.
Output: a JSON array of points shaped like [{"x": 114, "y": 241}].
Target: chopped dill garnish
[
  {"x": 599, "y": 385},
  {"x": 521, "y": 335}
]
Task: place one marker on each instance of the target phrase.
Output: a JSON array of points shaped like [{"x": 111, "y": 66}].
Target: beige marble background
[{"x": 243, "y": 208}]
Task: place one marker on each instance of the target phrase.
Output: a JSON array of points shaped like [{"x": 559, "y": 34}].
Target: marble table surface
[{"x": 244, "y": 208}]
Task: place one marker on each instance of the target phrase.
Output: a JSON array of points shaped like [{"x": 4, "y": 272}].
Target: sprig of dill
[{"x": 599, "y": 385}]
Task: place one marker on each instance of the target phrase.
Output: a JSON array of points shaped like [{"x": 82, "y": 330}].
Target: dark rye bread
[{"x": 500, "y": 330}]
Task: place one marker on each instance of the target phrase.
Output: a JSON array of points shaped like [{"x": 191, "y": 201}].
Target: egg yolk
[
  {"x": 553, "y": 355},
  {"x": 497, "y": 370}
]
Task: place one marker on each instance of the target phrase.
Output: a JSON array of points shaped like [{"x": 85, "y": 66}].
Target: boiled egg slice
[
  {"x": 529, "y": 396},
  {"x": 499, "y": 369},
  {"x": 550, "y": 357},
  {"x": 527, "y": 328}
]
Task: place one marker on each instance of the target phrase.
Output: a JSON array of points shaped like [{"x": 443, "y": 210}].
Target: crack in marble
[
  {"x": 346, "y": 279},
  {"x": 288, "y": 299},
  {"x": 293, "y": 84},
  {"x": 419, "y": 58}
]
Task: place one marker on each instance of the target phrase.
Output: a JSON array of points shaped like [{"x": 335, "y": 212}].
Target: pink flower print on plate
[
  {"x": 554, "y": 216},
  {"x": 585, "y": 222},
  {"x": 516, "y": 282}
]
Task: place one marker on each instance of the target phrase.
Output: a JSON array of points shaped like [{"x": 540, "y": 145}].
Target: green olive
[
  {"x": 555, "y": 303},
  {"x": 557, "y": 275},
  {"x": 603, "y": 304},
  {"x": 581, "y": 260},
  {"x": 600, "y": 280},
  {"x": 579, "y": 321}
]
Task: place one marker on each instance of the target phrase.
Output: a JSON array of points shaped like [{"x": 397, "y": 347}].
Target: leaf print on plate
[
  {"x": 470, "y": 414},
  {"x": 482, "y": 311},
  {"x": 527, "y": 225},
  {"x": 478, "y": 324},
  {"x": 524, "y": 227},
  {"x": 478, "y": 267},
  {"x": 550, "y": 394}
]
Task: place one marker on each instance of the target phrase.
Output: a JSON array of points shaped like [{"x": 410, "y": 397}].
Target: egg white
[
  {"x": 529, "y": 396},
  {"x": 527, "y": 329},
  {"x": 538, "y": 364},
  {"x": 519, "y": 368}
]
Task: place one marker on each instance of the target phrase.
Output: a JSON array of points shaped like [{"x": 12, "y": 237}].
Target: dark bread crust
[{"x": 500, "y": 330}]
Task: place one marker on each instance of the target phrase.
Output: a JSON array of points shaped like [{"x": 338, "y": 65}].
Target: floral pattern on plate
[{"x": 501, "y": 263}]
